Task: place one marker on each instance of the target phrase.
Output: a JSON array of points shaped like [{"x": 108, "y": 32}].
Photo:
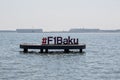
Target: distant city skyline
[{"x": 59, "y": 15}]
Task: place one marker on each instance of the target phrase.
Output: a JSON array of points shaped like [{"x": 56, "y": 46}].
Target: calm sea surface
[{"x": 100, "y": 60}]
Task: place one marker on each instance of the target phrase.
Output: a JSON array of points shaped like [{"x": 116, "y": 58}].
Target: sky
[{"x": 59, "y": 15}]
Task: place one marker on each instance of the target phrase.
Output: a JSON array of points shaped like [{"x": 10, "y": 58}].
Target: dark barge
[{"x": 46, "y": 47}]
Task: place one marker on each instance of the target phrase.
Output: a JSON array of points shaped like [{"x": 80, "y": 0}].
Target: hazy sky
[{"x": 59, "y": 14}]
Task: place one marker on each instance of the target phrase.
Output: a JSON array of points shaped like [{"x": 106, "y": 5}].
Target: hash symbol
[{"x": 44, "y": 40}]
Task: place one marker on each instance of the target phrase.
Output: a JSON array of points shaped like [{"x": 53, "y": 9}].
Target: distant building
[
  {"x": 29, "y": 30},
  {"x": 7, "y": 31},
  {"x": 78, "y": 30}
]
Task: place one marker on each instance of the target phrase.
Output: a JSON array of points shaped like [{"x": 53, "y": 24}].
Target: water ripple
[{"x": 99, "y": 62}]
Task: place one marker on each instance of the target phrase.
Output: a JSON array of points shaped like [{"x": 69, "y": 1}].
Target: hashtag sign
[{"x": 44, "y": 40}]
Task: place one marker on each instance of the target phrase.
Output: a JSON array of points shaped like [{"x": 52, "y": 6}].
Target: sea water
[{"x": 100, "y": 60}]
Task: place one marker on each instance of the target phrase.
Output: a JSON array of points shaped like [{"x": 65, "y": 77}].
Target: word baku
[{"x": 59, "y": 40}]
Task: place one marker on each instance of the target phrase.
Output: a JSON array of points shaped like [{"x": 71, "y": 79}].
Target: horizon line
[{"x": 53, "y": 30}]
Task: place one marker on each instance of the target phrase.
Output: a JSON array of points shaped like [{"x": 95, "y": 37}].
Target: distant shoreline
[{"x": 70, "y": 31}]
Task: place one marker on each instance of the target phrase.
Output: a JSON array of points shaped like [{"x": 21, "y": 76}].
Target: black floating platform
[{"x": 52, "y": 46}]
